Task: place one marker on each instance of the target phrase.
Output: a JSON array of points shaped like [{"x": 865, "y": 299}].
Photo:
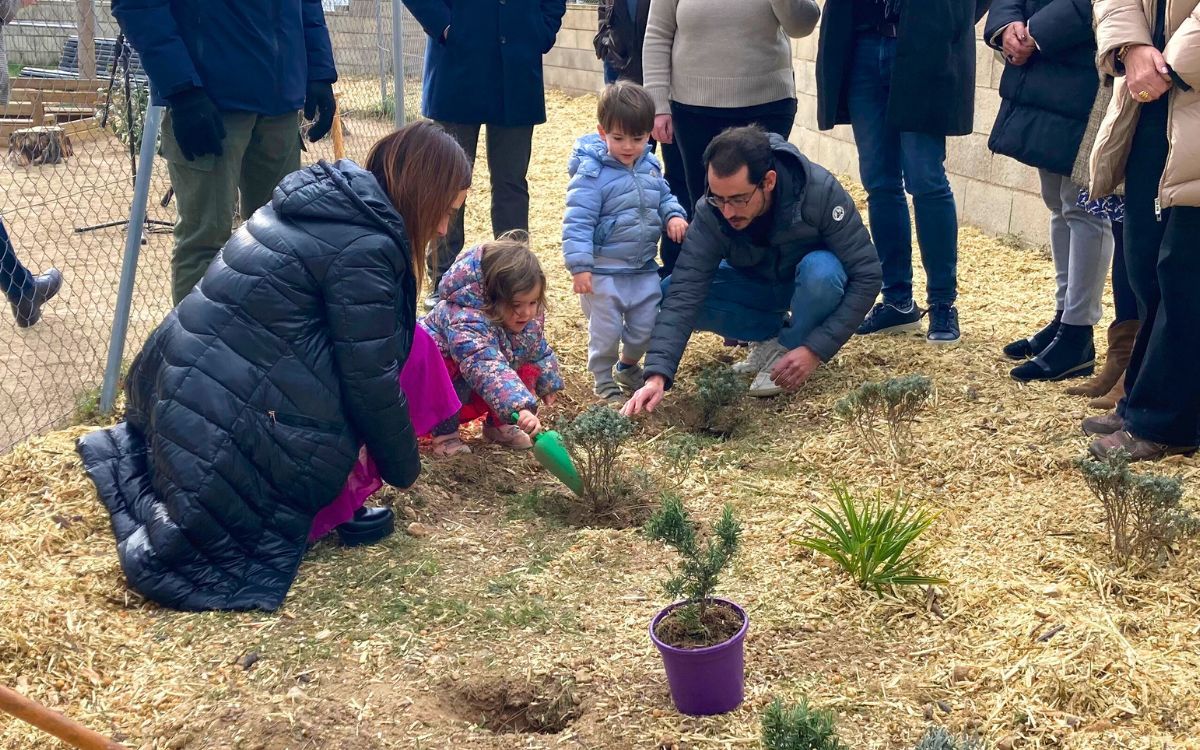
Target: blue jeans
[
  {"x": 15, "y": 281},
  {"x": 891, "y": 162},
  {"x": 740, "y": 306}
]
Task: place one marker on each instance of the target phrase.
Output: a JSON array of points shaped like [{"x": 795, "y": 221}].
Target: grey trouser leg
[
  {"x": 621, "y": 311},
  {"x": 1082, "y": 246}
]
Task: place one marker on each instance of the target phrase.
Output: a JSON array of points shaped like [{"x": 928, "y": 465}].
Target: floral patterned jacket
[{"x": 487, "y": 353}]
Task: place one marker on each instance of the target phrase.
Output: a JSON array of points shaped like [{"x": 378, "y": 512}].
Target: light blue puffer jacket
[{"x": 615, "y": 214}]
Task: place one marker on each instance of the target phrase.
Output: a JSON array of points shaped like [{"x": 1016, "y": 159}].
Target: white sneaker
[
  {"x": 760, "y": 352},
  {"x": 763, "y": 385}
]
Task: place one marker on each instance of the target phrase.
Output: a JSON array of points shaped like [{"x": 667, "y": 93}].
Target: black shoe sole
[
  {"x": 356, "y": 533},
  {"x": 1079, "y": 371}
]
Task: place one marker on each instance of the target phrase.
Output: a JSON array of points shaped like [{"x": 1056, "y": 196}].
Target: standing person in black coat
[
  {"x": 1048, "y": 89},
  {"x": 902, "y": 73},
  {"x": 622, "y": 31},
  {"x": 483, "y": 67},
  {"x": 247, "y": 406}
]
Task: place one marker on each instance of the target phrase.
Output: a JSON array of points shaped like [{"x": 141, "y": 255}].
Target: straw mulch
[{"x": 420, "y": 642}]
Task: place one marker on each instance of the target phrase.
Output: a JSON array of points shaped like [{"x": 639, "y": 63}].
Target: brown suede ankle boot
[
  {"x": 1120, "y": 347},
  {"x": 1109, "y": 401}
]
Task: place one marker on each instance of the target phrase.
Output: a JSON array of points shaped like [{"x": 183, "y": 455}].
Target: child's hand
[
  {"x": 528, "y": 422},
  {"x": 677, "y": 229},
  {"x": 549, "y": 399},
  {"x": 583, "y": 282}
]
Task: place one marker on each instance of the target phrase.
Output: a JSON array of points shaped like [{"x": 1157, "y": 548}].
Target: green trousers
[{"x": 258, "y": 152}]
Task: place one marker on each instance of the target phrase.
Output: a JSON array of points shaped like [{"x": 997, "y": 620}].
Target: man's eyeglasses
[{"x": 737, "y": 201}]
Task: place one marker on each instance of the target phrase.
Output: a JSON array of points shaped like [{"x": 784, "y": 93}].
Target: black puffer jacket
[
  {"x": 1046, "y": 101},
  {"x": 812, "y": 212},
  {"x": 247, "y": 405}
]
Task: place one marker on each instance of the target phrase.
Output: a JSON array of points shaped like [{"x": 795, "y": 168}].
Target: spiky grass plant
[{"x": 870, "y": 540}]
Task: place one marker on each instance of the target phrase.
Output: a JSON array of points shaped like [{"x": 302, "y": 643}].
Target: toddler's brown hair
[{"x": 509, "y": 268}]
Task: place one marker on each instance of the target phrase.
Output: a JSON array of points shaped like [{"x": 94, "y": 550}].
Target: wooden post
[
  {"x": 54, "y": 723},
  {"x": 87, "y": 38},
  {"x": 339, "y": 141}
]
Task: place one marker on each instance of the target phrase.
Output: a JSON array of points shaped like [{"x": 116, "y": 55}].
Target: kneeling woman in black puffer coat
[{"x": 247, "y": 406}]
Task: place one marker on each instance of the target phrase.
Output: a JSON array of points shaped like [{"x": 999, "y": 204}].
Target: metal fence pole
[
  {"x": 379, "y": 41},
  {"x": 398, "y": 59},
  {"x": 133, "y": 246}
]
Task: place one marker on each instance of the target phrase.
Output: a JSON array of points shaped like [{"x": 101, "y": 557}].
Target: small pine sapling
[
  {"x": 680, "y": 453},
  {"x": 719, "y": 396},
  {"x": 799, "y": 727},
  {"x": 940, "y": 738},
  {"x": 895, "y": 403},
  {"x": 1142, "y": 512},
  {"x": 870, "y": 540},
  {"x": 698, "y": 572},
  {"x": 594, "y": 440}
]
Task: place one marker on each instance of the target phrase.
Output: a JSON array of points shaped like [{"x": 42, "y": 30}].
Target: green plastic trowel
[{"x": 550, "y": 452}]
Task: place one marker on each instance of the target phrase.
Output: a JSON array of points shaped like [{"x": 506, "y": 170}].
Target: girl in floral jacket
[{"x": 489, "y": 324}]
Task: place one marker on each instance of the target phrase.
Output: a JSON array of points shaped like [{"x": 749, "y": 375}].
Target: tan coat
[{"x": 1122, "y": 22}]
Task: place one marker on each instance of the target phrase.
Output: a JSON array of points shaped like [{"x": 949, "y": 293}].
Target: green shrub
[
  {"x": 595, "y": 438},
  {"x": 680, "y": 453},
  {"x": 870, "y": 541},
  {"x": 1142, "y": 512},
  {"x": 127, "y": 115},
  {"x": 939, "y": 738},
  {"x": 799, "y": 727},
  {"x": 701, "y": 564},
  {"x": 891, "y": 405},
  {"x": 719, "y": 399}
]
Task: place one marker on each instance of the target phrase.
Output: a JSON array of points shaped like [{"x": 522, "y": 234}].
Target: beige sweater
[{"x": 723, "y": 53}]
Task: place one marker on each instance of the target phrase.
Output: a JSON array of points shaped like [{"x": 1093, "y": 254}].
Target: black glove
[
  {"x": 197, "y": 123},
  {"x": 319, "y": 98}
]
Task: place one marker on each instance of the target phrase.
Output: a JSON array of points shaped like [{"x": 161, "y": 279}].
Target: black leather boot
[
  {"x": 1072, "y": 354},
  {"x": 1033, "y": 346},
  {"x": 368, "y": 526},
  {"x": 27, "y": 308}
]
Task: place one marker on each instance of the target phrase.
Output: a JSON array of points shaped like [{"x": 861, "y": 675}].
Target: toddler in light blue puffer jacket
[{"x": 618, "y": 204}]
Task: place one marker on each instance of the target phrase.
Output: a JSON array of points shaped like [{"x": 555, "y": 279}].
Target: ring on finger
[{"x": 1143, "y": 95}]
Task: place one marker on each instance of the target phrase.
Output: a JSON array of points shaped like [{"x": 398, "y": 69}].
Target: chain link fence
[{"x": 72, "y": 127}]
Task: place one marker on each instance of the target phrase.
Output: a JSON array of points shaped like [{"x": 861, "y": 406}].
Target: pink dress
[{"x": 431, "y": 399}]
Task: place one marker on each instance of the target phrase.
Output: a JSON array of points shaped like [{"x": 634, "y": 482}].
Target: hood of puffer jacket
[
  {"x": 591, "y": 153},
  {"x": 1131, "y": 22},
  {"x": 463, "y": 283},
  {"x": 342, "y": 192}
]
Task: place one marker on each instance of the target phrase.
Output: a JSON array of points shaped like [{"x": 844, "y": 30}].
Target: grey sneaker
[
  {"x": 609, "y": 391},
  {"x": 760, "y": 353},
  {"x": 631, "y": 378},
  {"x": 763, "y": 386}
]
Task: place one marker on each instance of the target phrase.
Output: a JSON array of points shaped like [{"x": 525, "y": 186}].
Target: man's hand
[
  {"x": 583, "y": 282},
  {"x": 664, "y": 129},
  {"x": 1018, "y": 45},
  {"x": 319, "y": 103},
  {"x": 793, "y": 368},
  {"x": 196, "y": 124},
  {"x": 1146, "y": 73},
  {"x": 677, "y": 229},
  {"x": 647, "y": 398},
  {"x": 528, "y": 422}
]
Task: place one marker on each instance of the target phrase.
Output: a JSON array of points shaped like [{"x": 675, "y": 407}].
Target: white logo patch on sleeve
[{"x": 839, "y": 213}]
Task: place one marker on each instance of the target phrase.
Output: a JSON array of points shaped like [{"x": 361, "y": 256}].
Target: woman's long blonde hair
[{"x": 421, "y": 168}]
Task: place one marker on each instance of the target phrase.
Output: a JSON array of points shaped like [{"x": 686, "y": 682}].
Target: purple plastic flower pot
[{"x": 705, "y": 681}]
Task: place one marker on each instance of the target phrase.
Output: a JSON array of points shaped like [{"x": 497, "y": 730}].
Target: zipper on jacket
[{"x": 271, "y": 414}]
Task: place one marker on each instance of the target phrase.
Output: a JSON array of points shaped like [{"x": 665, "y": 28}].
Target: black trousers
[
  {"x": 695, "y": 127},
  {"x": 15, "y": 281},
  {"x": 1162, "y": 256},
  {"x": 508, "y": 153},
  {"x": 676, "y": 178}
]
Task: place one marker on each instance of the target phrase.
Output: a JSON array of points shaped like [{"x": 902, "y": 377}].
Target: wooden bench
[{"x": 36, "y": 102}]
